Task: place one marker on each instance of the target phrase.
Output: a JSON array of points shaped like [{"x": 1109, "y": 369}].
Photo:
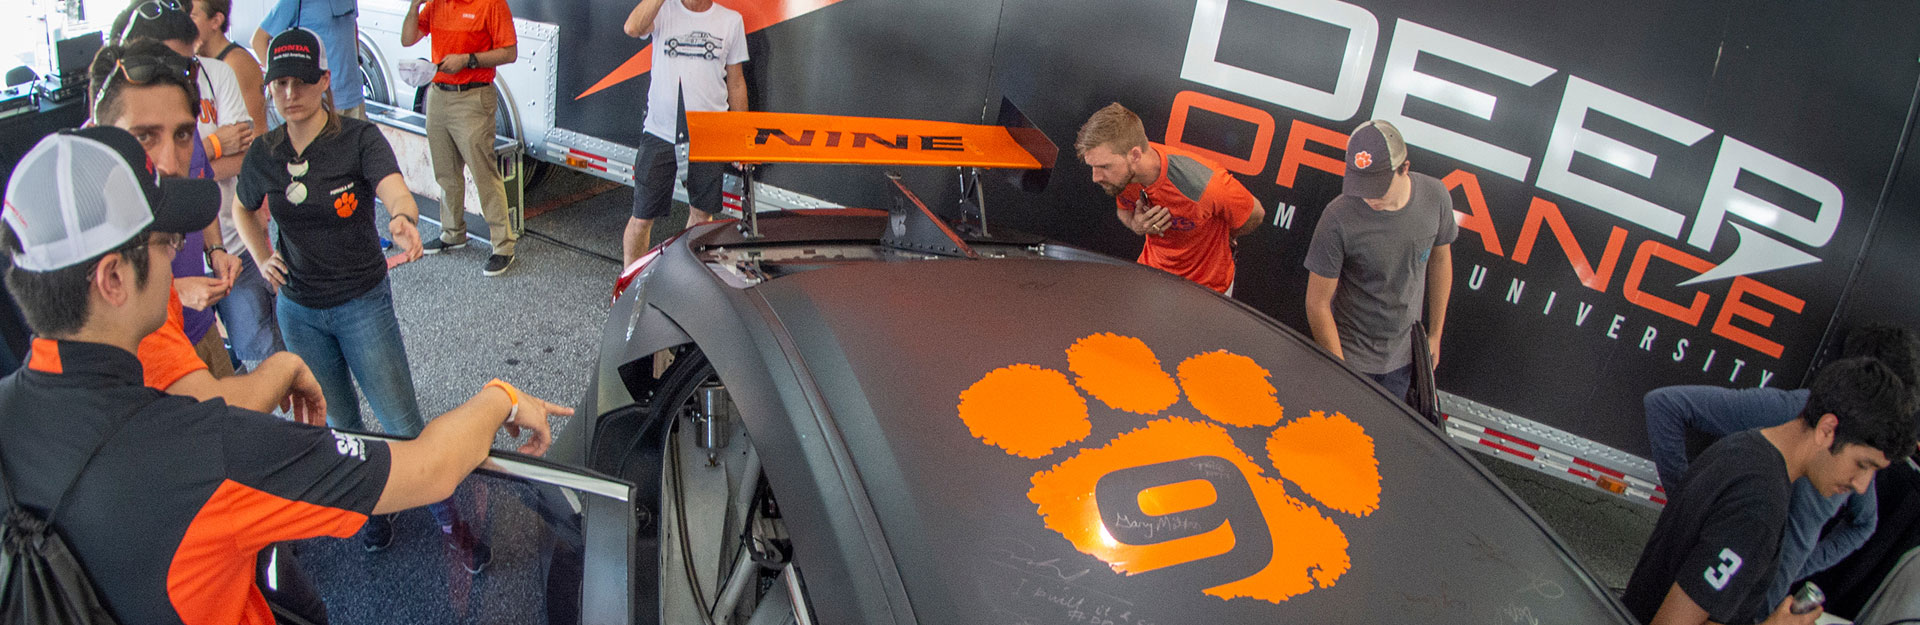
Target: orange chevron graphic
[{"x": 756, "y": 14}]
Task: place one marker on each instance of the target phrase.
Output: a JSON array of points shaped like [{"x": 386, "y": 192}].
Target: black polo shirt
[
  {"x": 170, "y": 517},
  {"x": 329, "y": 240},
  {"x": 1719, "y": 536}
]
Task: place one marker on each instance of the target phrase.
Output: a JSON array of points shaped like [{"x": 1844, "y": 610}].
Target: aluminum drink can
[{"x": 1807, "y": 598}]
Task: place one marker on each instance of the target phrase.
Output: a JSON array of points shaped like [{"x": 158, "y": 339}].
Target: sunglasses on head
[
  {"x": 151, "y": 9},
  {"x": 144, "y": 69}
]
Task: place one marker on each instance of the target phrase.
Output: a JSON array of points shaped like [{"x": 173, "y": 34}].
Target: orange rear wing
[{"x": 757, "y": 137}]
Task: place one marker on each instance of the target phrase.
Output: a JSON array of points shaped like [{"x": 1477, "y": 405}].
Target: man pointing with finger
[
  {"x": 1189, "y": 208},
  {"x": 166, "y": 501}
]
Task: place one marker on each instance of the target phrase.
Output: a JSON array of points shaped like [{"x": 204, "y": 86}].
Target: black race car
[{"x": 862, "y": 416}]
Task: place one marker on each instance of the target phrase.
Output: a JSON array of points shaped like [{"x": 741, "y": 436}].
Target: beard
[{"x": 1113, "y": 190}]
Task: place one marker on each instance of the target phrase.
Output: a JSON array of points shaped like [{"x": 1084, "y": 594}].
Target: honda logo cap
[
  {"x": 79, "y": 194},
  {"x": 1374, "y": 152},
  {"x": 296, "y": 52}
]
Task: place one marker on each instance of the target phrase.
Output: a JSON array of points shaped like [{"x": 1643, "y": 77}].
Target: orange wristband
[
  {"x": 513, "y": 395},
  {"x": 218, "y": 151}
]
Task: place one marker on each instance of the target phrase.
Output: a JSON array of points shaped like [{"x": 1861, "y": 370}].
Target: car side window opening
[
  {"x": 533, "y": 530},
  {"x": 725, "y": 554}
]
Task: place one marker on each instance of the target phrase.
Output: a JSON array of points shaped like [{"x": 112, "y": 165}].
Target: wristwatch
[
  {"x": 211, "y": 249},
  {"x": 473, "y": 61}
]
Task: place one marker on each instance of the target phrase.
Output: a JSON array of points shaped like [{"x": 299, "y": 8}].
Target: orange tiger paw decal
[
  {"x": 1177, "y": 490},
  {"x": 346, "y": 204}
]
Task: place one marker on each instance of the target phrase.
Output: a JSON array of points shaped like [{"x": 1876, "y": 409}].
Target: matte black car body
[{"x": 847, "y": 360}]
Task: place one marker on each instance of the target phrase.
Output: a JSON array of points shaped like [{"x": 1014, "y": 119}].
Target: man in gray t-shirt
[{"x": 1385, "y": 240}]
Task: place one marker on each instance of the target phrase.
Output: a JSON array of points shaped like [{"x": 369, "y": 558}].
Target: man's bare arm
[
  {"x": 259, "y": 390},
  {"x": 260, "y": 42},
  {"x": 736, "y": 88},
  {"x": 247, "y": 72},
  {"x": 640, "y": 21},
  {"x": 1679, "y": 609},
  {"x": 1320, "y": 313},
  {"x": 1254, "y": 219},
  {"x": 1439, "y": 290},
  {"x": 427, "y": 469},
  {"x": 497, "y": 56},
  {"x": 1127, "y": 219},
  {"x": 410, "y": 26}
]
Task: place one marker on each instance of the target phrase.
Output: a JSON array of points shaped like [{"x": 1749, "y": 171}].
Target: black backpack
[{"x": 41, "y": 582}]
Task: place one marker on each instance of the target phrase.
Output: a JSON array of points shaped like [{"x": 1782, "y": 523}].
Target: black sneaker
[
  {"x": 378, "y": 532},
  {"x": 437, "y": 246},
  {"x": 497, "y": 264},
  {"x": 473, "y": 554}
]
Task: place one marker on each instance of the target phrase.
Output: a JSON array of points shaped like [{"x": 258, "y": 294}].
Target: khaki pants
[
  {"x": 213, "y": 351},
  {"x": 460, "y": 135}
]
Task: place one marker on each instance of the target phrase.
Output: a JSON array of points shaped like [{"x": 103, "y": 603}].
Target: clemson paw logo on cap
[
  {"x": 1178, "y": 490},
  {"x": 1363, "y": 160}
]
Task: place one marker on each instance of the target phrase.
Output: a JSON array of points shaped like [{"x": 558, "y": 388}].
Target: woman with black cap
[{"x": 319, "y": 174}]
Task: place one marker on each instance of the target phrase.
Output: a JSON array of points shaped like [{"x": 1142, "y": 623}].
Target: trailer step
[{"x": 1550, "y": 450}]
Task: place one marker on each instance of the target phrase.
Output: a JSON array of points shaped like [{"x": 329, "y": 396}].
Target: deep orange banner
[{"x": 753, "y": 137}]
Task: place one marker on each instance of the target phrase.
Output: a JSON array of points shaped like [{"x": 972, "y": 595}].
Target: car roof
[{"x": 954, "y": 385}]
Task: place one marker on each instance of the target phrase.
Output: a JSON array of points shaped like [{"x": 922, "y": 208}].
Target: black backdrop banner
[{"x": 1650, "y": 193}]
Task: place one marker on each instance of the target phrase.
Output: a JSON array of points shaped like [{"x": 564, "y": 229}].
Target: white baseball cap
[{"x": 79, "y": 194}]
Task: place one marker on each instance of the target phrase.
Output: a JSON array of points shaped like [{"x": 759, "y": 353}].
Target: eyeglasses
[
  {"x": 151, "y": 9},
  {"x": 297, "y": 190},
  {"x": 143, "y": 69},
  {"x": 170, "y": 241}
]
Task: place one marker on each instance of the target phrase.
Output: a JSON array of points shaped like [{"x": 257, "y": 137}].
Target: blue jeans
[
  {"x": 358, "y": 340},
  {"x": 1397, "y": 381},
  {"x": 248, "y": 312}
]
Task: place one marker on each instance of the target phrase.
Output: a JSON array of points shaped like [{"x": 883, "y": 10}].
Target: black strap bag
[{"x": 41, "y": 582}]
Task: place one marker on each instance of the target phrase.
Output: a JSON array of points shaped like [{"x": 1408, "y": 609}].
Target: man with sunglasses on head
[
  {"x": 145, "y": 89},
  {"x": 223, "y": 120},
  {"x": 167, "y": 502},
  {"x": 246, "y": 311}
]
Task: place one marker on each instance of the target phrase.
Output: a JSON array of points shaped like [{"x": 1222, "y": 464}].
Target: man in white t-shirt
[{"x": 698, "y": 48}]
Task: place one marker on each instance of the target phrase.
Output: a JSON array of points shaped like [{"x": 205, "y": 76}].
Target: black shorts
[{"x": 654, "y": 171}]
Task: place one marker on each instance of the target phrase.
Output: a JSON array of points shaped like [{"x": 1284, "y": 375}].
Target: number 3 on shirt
[{"x": 1719, "y": 575}]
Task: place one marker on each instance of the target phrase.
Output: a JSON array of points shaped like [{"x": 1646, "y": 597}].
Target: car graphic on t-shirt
[{"x": 695, "y": 44}]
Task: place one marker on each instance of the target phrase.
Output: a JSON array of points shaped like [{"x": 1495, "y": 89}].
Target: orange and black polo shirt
[
  {"x": 1207, "y": 204},
  {"x": 170, "y": 518}
]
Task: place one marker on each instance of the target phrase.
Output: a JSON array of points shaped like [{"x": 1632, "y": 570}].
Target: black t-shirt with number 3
[
  {"x": 1719, "y": 536},
  {"x": 329, "y": 240}
]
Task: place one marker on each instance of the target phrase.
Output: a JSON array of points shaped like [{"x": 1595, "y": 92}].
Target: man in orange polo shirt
[
  {"x": 1189, "y": 208},
  {"x": 470, "y": 38}
]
